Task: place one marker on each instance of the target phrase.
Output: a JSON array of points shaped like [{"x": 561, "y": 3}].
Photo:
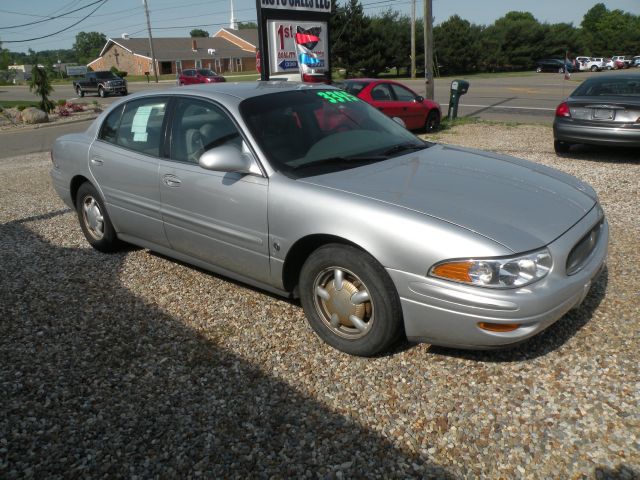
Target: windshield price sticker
[{"x": 337, "y": 97}]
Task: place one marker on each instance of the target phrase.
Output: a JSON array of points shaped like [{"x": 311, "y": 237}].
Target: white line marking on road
[{"x": 502, "y": 106}]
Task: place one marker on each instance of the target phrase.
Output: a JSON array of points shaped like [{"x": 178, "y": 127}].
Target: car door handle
[
  {"x": 171, "y": 181},
  {"x": 96, "y": 161}
]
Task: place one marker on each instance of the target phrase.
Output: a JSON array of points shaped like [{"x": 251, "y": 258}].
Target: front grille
[{"x": 583, "y": 249}]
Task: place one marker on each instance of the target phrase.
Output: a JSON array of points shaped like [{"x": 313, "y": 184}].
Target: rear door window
[{"x": 141, "y": 125}]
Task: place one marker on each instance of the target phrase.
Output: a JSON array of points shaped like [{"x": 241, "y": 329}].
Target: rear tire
[
  {"x": 94, "y": 219},
  {"x": 433, "y": 121},
  {"x": 350, "y": 300},
  {"x": 594, "y": 68},
  {"x": 561, "y": 147},
  {"x": 539, "y": 70}
]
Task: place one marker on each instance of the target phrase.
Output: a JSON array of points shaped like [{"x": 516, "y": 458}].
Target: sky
[{"x": 171, "y": 18}]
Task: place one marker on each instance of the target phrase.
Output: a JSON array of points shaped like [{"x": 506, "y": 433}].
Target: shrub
[
  {"x": 41, "y": 83},
  {"x": 21, "y": 107},
  {"x": 74, "y": 107},
  {"x": 119, "y": 73},
  {"x": 62, "y": 103}
]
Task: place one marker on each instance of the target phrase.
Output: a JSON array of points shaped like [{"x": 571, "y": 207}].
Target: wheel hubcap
[
  {"x": 93, "y": 218},
  {"x": 343, "y": 302}
]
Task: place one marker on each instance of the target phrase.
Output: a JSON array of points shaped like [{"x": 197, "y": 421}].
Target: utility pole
[
  {"x": 413, "y": 39},
  {"x": 428, "y": 49},
  {"x": 153, "y": 55}
]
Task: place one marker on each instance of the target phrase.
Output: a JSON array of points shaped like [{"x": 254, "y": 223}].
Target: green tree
[
  {"x": 247, "y": 25},
  {"x": 457, "y": 45},
  {"x": 513, "y": 42},
  {"x": 349, "y": 37},
  {"x": 88, "y": 45},
  {"x": 197, "y": 32},
  {"x": 392, "y": 34},
  {"x": 560, "y": 39},
  {"x": 5, "y": 58},
  {"x": 42, "y": 85}
]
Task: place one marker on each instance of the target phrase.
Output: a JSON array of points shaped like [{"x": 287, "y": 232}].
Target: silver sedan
[{"x": 308, "y": 192}]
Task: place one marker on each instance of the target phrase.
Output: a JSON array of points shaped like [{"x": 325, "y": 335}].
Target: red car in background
[
  {"x": 199, "y": 75},
  {"x": 397, "y": 100}
]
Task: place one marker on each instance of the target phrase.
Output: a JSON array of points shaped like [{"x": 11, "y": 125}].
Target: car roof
[{"x": 239, "y": 90}]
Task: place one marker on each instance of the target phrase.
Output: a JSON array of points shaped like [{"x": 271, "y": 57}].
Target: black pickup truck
[{"x": 103, "y": 83}]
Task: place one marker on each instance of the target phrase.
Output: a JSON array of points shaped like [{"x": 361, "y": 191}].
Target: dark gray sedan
[
  {"x": 309, "y": 192},
  {"x": 603, "y": 110}
]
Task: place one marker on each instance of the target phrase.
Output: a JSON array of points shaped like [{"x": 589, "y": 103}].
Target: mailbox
[{"x": 458, "y": 88}]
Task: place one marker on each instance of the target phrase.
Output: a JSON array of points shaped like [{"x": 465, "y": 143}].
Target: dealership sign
[
  {"x": 297, "y": 46},
  {"x": 323, "y": 6},
  {"x": 293, "y": 36}
]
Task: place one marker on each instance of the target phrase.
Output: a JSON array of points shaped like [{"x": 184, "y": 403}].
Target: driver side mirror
[{"x": 227, "y": 158}]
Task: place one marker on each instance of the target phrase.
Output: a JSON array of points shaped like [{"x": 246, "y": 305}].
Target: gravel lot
[{"x": 133, "y": 365}]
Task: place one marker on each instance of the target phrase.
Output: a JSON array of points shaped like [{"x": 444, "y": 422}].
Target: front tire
[
  {"x": 79, "y": 92},
  {"x": 124, "y": 93},
  {"x": 350, "y": 300},
  {"x": 561, "y": 147},
  {"x": 94, "y": 219},
  {"x": 101, "y": 92}
]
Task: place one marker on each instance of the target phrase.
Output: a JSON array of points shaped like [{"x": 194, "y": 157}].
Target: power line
[
  {"x": 102, "y": 2},
  {"x": 51, "y": 18}
]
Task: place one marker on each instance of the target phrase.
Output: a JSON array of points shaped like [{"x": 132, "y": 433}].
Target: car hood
[{"x": 519, "y": 204}]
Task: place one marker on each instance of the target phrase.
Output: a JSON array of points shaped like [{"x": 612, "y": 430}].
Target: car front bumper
[
  {"x": 445, "y": 313},
  {"x": 115, "y": 88},
  {"x": 571, "y": 131}
]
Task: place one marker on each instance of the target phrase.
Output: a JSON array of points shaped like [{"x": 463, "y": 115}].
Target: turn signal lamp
[{"x": 498, "y": 327}]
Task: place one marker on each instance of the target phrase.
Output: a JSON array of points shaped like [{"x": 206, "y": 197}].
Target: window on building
[{"x": 198, "y": 64}]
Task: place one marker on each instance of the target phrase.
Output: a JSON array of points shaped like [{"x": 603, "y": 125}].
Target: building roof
[
  {"x": 179, "y": 48},
  {"x": 249, "y": 35}
]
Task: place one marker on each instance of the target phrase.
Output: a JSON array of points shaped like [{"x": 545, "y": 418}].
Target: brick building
[{"x": 226, "y": 52}]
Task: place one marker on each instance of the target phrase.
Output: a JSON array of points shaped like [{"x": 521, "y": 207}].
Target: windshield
[
  {"x": 105, "y": 75},
  {"x": 311, "y": 132},
  {"x": 207, "y": 73},
  {"x": 595, "y": 87}
]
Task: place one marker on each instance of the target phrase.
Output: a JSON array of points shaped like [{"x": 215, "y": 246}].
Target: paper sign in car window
[{"x": 139, "y": 125}]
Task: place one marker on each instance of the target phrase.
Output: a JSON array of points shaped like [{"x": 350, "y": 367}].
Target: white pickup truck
[{"x": 588, "y": 63}]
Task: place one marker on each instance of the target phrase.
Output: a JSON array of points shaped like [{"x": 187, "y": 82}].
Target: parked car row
[{"x": 581, "y": 63}]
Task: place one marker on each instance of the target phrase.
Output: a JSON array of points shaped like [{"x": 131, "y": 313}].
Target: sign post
[{"x": 294, "y": 36}]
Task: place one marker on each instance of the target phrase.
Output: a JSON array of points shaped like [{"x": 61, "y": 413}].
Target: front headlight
[{"x": 511, "y": 272}]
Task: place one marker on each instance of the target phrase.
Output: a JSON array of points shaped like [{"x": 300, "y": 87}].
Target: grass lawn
[{"x": 17, "y": 103}]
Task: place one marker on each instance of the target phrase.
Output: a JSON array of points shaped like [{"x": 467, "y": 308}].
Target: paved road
[
  {"x": 526, "y": 99},
  {"x": 23, "y": 141}
]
